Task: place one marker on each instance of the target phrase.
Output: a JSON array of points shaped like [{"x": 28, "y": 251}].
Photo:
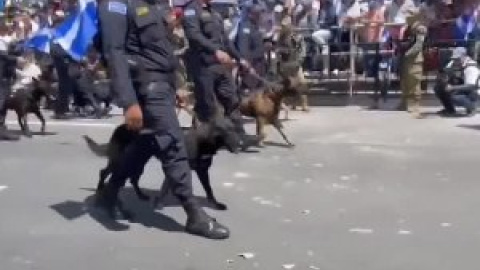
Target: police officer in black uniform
[
  {"x": 208, "y": 60},
  {"x": 141, "y": 63},
  {"x": 249, "y": 42}
]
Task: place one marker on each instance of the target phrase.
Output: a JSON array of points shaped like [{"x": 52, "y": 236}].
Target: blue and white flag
[
  {"x": 40, "y": 40},
  {"x": 236, "y": 25},
  {"x": 76, "y": 33}
]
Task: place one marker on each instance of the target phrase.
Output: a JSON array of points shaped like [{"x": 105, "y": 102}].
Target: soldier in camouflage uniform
[
  {"x": 411, "y": 66},
  {"x": 289, "y": 54}
]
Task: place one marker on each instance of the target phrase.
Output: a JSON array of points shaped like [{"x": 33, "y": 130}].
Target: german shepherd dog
[
  {"x": 202, "y": 143},
  {"x": 265, "y": 105}
]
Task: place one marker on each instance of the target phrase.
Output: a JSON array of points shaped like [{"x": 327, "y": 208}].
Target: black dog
[
  {"x": 202, "y": 143},
  {"x": 27, "y": 100}
]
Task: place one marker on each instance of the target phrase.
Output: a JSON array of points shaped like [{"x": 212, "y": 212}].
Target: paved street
[{"x": 362, "y": 190}]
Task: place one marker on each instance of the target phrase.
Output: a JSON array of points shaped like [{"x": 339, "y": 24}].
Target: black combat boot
[
  {"x": 199, "y": 223},
  {"x": 5, "y": 135},
  {"x": 107, "y": 201}
]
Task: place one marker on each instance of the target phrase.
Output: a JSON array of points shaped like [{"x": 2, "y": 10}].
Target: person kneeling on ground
[
  {"x": 453, "y": 91},
  {"x": 26, "y": 71}
]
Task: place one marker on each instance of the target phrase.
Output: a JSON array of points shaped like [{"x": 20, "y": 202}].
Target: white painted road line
[
  {"x": 67, "y": 124},
  {"x": 3, "y": 188}
]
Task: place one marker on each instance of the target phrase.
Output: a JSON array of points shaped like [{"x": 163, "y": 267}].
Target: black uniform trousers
[
  {"x": 65, "y": 82},
  {"x": 162, "y": 138},
  {"x": 84, "y": 89},
  {"x": 215, "y": 83}
]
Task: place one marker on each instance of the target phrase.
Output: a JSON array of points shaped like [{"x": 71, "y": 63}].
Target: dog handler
[
  {"x": 135, "y": 31},
  {"x": 250, "y": 45},
  {"x": 208, "y": 60}
]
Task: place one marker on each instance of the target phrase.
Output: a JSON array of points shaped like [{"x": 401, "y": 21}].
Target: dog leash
[
  {"x": 260, "y": 78},
  {"x": 264, "y": 81}
]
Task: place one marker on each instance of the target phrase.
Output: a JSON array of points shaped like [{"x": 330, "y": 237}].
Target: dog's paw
[
  {"x": 29, "y": 135},
  {"x": 291, "y": 145},
  {"x": 218, "y": 205}
]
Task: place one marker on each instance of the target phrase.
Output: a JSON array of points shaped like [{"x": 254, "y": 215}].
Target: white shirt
[
  {"x": 353, "y": 11},
  {"x": 398, "y": 13},
  {"x": 5, "y": 42},
  {"x": 35, "y": 27},
  {"x": 26, "y": 75}
]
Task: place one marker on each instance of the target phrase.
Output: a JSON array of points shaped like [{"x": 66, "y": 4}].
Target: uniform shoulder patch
[
  {"x": 117, "y": 7},
  {"x": 246, "y": 30},
  {"x": 142, "y": 11},
  {"x": 189, "y": 12}
]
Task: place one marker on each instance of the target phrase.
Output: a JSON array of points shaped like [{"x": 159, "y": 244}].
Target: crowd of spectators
[
  {"x": 327, "y": 22},
  {"x": 372, "y": 22}
]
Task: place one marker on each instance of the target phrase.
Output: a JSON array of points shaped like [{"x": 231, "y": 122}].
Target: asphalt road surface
[{"x": 362, "y": 190}]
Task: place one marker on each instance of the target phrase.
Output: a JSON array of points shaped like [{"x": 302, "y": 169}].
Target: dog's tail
[{"x": 100, "y": 150}]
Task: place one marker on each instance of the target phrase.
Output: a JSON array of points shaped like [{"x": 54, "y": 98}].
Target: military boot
[
  {"x": 106, "y": 200},
  {"x": 414, "y": 109},
  {"x": 199, "y": 223}
]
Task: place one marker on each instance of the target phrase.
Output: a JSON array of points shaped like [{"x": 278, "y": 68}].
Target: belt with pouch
[{"x": 141, "y": 75}]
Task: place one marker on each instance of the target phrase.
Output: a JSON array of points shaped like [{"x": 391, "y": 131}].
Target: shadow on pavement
[
  {"x": 143, "y": 213},
  {"x": 133, "y": 203},
  {"x": 473, "y": 127},
  {"x": 34, "y": 133}
]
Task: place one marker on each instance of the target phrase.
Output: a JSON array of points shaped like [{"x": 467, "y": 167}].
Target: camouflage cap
[{"x": 413, "y": 15}]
